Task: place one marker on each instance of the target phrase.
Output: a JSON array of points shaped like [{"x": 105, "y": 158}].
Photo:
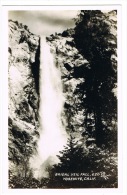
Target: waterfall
[{"x": 53, "y": 135}]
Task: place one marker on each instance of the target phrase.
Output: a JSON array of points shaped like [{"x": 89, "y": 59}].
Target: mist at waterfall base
[{"x": 53, "y": 136}]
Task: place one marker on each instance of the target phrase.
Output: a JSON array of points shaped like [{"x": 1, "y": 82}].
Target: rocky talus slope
[{"x": 23, "y": 85}]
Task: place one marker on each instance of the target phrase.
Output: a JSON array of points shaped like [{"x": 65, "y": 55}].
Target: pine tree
[
  {"x": 73, "y": 159},
  {"x": 98, "y": 44}
]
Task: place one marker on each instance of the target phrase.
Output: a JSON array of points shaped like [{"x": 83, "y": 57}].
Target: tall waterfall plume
[{"x": 53, "y": 135}]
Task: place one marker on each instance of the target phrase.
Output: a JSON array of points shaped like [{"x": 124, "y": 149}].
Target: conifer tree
[
  {"x": 95, "y": 38},
  {"x": 73, "y": 159}
]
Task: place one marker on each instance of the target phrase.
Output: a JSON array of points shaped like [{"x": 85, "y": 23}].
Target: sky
[{"x": 45, "y": 22}]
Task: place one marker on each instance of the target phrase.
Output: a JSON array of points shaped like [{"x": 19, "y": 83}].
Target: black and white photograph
[{"x": 62, "y": 99}]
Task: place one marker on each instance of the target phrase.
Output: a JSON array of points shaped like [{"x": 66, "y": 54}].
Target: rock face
[
  {"x": 71, "y": 64},
  {"x": 23, "y": 71}
]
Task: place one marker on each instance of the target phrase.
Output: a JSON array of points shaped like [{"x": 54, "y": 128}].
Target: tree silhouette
[
  {"x": 97, "y": 43},
  {"x": 73, "y": 159}
]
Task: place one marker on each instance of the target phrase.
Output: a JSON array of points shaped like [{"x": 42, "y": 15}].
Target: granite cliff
[{"x": 23, "y": 80}]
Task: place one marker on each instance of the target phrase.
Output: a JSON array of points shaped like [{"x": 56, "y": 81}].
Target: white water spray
[{"x": 53, "y": 134}]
